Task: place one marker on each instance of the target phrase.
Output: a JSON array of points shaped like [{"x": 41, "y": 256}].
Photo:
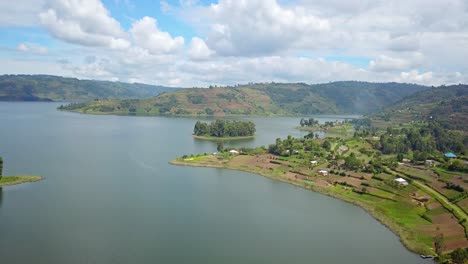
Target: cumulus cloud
[
  {"x": 84, "y": 22},
  {"x": 147, "y": 35},
  {"x": 199, "y": 50},
  {"x": 258, "y": 27}
]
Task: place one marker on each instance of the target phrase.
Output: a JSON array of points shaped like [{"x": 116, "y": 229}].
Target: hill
[
  {"x": 261, "y": 99},
  {"x": 447, "y": 105},
  {"x": 54, "y": 88}
]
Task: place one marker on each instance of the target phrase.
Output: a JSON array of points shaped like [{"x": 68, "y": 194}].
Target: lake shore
[
  {"x": 221, "y": 138},
  {"x": 19, "y": 179},
  {"x": 407, "y": 236}
]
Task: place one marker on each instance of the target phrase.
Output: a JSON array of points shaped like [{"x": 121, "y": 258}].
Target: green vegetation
[
  {"x": 447, "y": 105},
  {"x": 224, "y": 129},
  {"x": 1, "y": 168},
  {"x": 260, "y": 99},
  {"x": 14, "y": 180},
  {"x": 54, "y": 88},
  {"x": 429, "y": 213}
]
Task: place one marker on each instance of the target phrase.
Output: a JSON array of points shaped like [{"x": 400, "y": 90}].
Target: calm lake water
[{"x": 110, "y": 196}]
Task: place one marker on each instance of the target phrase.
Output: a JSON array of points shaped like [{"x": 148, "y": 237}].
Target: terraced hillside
[
  {"x": 260, "y": 99},
  {"x": 446, "y": 104}
]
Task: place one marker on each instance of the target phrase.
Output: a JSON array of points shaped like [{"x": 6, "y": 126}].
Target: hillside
[
  {"x": 447, "y": 105},
  {"x": 54, "y": 88},
  {"x": 261, "y": 99}
]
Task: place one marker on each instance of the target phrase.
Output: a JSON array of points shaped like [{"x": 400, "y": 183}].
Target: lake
[{"x": 110, "y": 196}]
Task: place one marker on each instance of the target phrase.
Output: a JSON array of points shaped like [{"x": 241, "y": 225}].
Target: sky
[{"x": 197, "y": 43}]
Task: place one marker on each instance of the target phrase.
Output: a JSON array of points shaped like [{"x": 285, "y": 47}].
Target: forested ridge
[
  {"x": 349, "y": 97},
  {"x": 55, "y": 88}
]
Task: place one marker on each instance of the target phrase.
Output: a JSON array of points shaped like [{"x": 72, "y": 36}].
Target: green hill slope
[
  {"x": 54, "y": 88},
  {"x": 261, "y": 99},
  {"x": 447, "y": 105}
]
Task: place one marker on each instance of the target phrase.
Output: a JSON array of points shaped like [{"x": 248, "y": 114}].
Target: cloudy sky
[{"x": 199, "y": 43}]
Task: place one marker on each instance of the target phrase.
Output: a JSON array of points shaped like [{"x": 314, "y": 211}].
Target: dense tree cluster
[
  {"x": 224, "y": 128},
  {"x": 1, "y": 167},
  {"x": 427, "y": 138},
  {"x": 308, "y": 122}
]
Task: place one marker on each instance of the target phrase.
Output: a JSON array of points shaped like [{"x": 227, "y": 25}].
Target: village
[{"x": 421, "y": 201}]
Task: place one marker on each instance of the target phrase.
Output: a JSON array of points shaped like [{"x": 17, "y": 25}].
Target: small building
[
  {"x": 323, "y": 172},
  {"x": 401, "y": 181},
  {"x": 375, "y": 138},
  {"x": 429, "y": 163},
  {"x": 450, "y": 155},
  {"x": 406, "y": 160},
  {"x": 313, "y": 162},
  {"x": 233, "y": 151}
]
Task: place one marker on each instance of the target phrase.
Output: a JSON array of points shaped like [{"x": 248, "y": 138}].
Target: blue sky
[{"x": 201, "y": 43}]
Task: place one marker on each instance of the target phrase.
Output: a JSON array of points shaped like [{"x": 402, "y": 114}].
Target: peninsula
[
  {"x": 419, "y": 193},
  {"x": 14, "y": 180}
]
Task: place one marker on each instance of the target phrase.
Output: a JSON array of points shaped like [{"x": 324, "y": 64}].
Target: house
[
  {"x": 401, "y": 181},
  {"x": 429, "y": 163},
  {"x": 406, "y": 161},
  {"x": 313, "y": 162},
  {"x": 375, "y": 138},
  {"x": 323, "y": 172},
  {"x": 450, "y": 155},
  {"x": 232, "y": 151}
]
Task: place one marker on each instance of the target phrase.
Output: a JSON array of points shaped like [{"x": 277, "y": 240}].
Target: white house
[
  {"x": 234, "y": 151},
  {"x": 323, "y": 172},
  {"x": 401, "y": 181},
  {"x": 313, "y": 162}
]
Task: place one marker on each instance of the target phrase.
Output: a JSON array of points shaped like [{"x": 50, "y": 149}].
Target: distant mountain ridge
[
  {"x": 346, "y": 97},
  {"x": 447, "y": 105},
  {"x": 55, "y": 88}
]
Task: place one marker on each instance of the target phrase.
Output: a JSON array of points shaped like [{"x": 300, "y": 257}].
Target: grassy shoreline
[
  {"x": 221, "y": 138},
  {"x": 406, "y": 235},
  {"x": 19, "y": 179}
]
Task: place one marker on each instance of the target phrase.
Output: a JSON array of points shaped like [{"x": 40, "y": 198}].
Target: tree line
[{"x": 224, "y": 128}]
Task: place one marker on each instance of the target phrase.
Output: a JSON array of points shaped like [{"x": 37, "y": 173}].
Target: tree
[
  {"x": 459, "y": 256},
  {"x": 1, "y": 167},
  {"x": 439, "y": 244},
  {"x": 352, "y": 162},
  {"x": 220, "y": 146}
]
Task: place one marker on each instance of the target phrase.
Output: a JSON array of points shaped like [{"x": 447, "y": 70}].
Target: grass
[{"x": 14, "y": 180}]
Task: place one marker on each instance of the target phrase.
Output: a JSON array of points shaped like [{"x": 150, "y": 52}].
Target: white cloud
[
  {"x": 20, "y": 12},
  {"x": 385, "y": 63},
  {"x": 147, "y": 35},
  {"x": 32, "y": 48},
  {"x": 199, "y": 50},
  {"x": 248, "y": 28},
  {"x": 84, "y": 22}
]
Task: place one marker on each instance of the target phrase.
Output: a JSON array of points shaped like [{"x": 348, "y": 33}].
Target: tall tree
[{"x": 1, "y": 167}]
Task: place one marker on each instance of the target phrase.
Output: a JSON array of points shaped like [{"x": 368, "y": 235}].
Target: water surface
[{"x": 110, "y": 196}]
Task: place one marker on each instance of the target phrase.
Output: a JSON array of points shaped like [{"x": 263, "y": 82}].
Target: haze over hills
[
  {"x": 345, "y": 97},
  {"x": 55, "y": 88},
  {"x": 447, "y": 105}
]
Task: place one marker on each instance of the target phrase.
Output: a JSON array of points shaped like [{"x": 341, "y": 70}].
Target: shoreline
[
  {"x": 221, "y": 138},
  {"x": 19, "y": 179},
  {"x": 388, "y": 223}
]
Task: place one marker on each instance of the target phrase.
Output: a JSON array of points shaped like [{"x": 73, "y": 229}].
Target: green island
[
  {"x": 405, "y": 176},
  {"x": 224, "y": 130},
  {"x": 18, "y": 179}
]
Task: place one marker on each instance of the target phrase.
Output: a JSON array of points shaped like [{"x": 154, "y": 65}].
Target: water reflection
[{"x": 1, "y": 197}]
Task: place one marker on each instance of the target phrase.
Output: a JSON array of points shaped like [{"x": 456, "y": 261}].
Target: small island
[
  {"x": 343, "y": 129},
  {"x": 224, "y": 130},
  {"x": 18, "y": 179}
]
